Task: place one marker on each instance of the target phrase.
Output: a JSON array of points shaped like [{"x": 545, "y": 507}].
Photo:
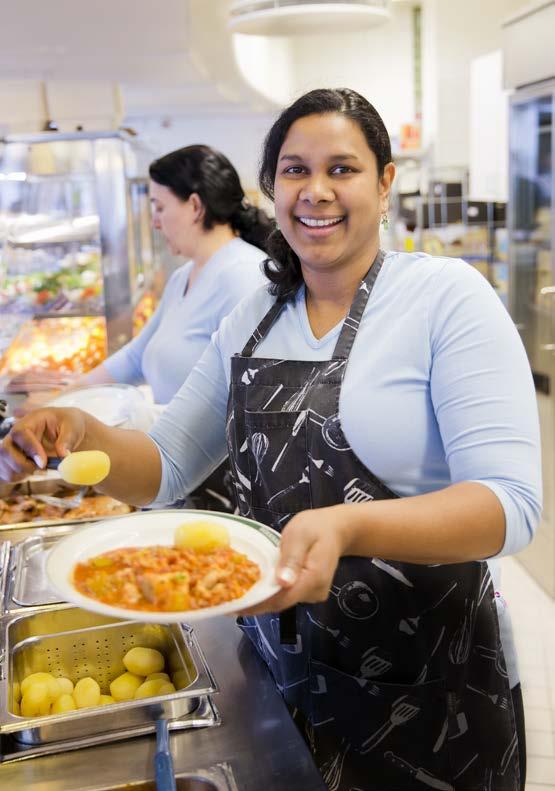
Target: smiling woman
[
  {"x": 360, "y": 425},
  {"x": 330, "y": 176}
]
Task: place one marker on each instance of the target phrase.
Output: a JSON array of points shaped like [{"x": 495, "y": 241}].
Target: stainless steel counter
[{"x": 257, "y": 737}]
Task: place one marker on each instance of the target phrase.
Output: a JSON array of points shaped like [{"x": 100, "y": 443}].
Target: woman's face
[
  {"x": 328, "y": 197},
  {"x": 175, "y": 218}
]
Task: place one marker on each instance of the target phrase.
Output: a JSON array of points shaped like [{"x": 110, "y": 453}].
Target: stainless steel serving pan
[
  {"x": 67, "y": 641},
  {"x": 23, "y": 579},
  {"x": 216, "y": 778},
  {"x": 27, "y": 583}
]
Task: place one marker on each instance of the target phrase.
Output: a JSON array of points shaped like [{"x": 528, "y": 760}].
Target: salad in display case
[{"x": 80, "y": 269}]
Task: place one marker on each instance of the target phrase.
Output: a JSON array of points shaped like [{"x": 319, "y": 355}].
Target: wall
[
  {"x": 376, "y": 62},
  {"x": 239, "y": 138},
  {"x": 22, "y": 106},
  {"x": 454, "y": 33},
  {"x": 489, "y": 129}
]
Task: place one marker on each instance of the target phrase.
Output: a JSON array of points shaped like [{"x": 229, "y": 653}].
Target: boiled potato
[
  {"x": 86, "y": 693},
  {"x": 124, "y": 687},
  {"x": 105, "y": 700},
  {"x": 149, "y": 689},
  {"x": 201, "y": 535},
  {"x": 64, "y": 703},
  {"x": 16, "y": 690},
  {"x": 85, "y": 467},
  {"x": 166, "y": 689},
  {"x": 143, "y": 661},
  {"x": 181, "y": 679},
  {"x": 36, "y": 700},
  {"x": 54, "y": 689},
  {"x": 155, "y": 676},
  {"x": 66, "y": 685}
]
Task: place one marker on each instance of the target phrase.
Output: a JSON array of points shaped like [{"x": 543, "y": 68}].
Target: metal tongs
[{"x": 62, "y": 502}]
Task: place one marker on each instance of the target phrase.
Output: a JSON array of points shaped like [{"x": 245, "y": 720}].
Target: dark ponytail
[
  {"x": 282, "y": 268},
  {"x": 284, "y": 271},
  {"x": 253, "y": 225},
  {"x": 210, "y": 174}
]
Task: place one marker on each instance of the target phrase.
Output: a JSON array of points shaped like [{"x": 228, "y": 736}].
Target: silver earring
[{"x": 385, "y": 221}]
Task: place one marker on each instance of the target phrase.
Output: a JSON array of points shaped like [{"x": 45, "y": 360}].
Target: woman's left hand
[{"x": 310, "y": 548}]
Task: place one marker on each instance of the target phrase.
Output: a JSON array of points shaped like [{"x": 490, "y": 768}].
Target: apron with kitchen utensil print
[
  {"x": 215, "y": 493},
  {"x": 398, "y": 680}
]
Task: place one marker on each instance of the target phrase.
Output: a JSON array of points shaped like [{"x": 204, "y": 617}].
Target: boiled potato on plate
[{"x": 201, "y": 535}]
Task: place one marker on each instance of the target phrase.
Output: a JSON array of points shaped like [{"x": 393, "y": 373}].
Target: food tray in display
[
  {"x": 258, "y": 542},
  {"x": 72, "y": 283},
  {"x": 67, "y": 641},
  {"x": 65, "y": 345},
  {"x": 56, "y": 488}
]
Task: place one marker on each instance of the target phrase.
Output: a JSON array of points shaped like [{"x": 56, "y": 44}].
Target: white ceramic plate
[
  {"x": 148, "y": 528},
  {"x": 113, "y": 404}
]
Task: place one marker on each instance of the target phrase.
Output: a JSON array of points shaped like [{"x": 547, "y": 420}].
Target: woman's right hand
[{"x": 38, "y": 435}]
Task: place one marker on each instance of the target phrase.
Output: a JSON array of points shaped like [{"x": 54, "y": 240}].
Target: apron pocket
[
  {"x": 278, "y": 460},
  {"x": 396, "y": 733}
]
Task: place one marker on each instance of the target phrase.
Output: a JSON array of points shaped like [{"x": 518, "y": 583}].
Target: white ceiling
[
  {"x": 164, "y": 53},
  {"x": 63, "y": 38}
]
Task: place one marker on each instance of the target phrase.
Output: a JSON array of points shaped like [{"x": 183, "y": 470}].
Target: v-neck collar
[
  {"x": 304, "y": 322},
  {"x": 213, "y": 261}
]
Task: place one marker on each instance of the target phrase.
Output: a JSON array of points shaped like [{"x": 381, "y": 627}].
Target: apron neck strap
[
  {"x": 350, "y": 325},
  {"x": 262, "y": 329},
  {"x": 352, "y": 322}
]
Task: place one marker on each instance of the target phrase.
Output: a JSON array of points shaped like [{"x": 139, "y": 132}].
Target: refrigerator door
[{"x": 532, "y": 286}]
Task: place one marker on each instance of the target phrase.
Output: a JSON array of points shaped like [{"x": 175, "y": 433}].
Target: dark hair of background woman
[
  {"x": 283, "y": 268},
  {"x": 211, "y": 175}
]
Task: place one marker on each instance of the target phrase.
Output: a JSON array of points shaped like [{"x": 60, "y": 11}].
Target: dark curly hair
[
  {"x": 283, "y": 268},
  {"x": 211, "y": 175}
]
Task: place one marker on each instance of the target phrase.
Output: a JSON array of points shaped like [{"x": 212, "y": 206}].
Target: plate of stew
[{"x": 131, "y": 568}]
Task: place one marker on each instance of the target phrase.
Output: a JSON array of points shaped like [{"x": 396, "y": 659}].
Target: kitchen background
[{"x": 91, "y": 92}]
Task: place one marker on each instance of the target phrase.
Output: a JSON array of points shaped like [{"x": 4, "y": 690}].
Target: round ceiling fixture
[{"x": 287, "y": 17}]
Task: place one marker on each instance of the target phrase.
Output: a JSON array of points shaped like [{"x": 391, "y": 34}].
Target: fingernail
[
  {"x": 287, "y": 574},
  {"x": 38, "y": 461}
]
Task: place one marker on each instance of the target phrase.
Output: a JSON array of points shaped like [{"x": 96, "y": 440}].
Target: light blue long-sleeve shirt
[
  {"x": 170, "y": 344},
  {"x": 438, "y": 389}
]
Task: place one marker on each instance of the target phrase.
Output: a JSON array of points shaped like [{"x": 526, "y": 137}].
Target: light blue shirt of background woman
[{"x": 200, "y": 208}]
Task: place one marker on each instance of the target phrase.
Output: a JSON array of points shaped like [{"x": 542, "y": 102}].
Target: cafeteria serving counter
[{"x": 249, "y": 741}]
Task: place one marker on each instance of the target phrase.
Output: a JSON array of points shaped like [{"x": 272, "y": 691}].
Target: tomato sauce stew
[{"x": 166, "y": 578}]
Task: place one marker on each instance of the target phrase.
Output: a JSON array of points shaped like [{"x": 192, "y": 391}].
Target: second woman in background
[{"x": 200, "y": 208}]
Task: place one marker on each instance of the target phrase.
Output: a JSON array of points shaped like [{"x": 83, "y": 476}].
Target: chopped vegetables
[{"x": 166, "y": 578}]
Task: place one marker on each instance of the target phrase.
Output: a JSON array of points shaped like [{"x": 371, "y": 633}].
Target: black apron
[
  {"x": 398, "y": 680},
  {"x": 215, "y": 493}
]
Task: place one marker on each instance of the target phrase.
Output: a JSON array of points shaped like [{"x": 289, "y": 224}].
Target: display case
[
  {"x": 532, "y": 284},
  {"x": 80, "y": 269},
  {"x": 446, "y": 222}
]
